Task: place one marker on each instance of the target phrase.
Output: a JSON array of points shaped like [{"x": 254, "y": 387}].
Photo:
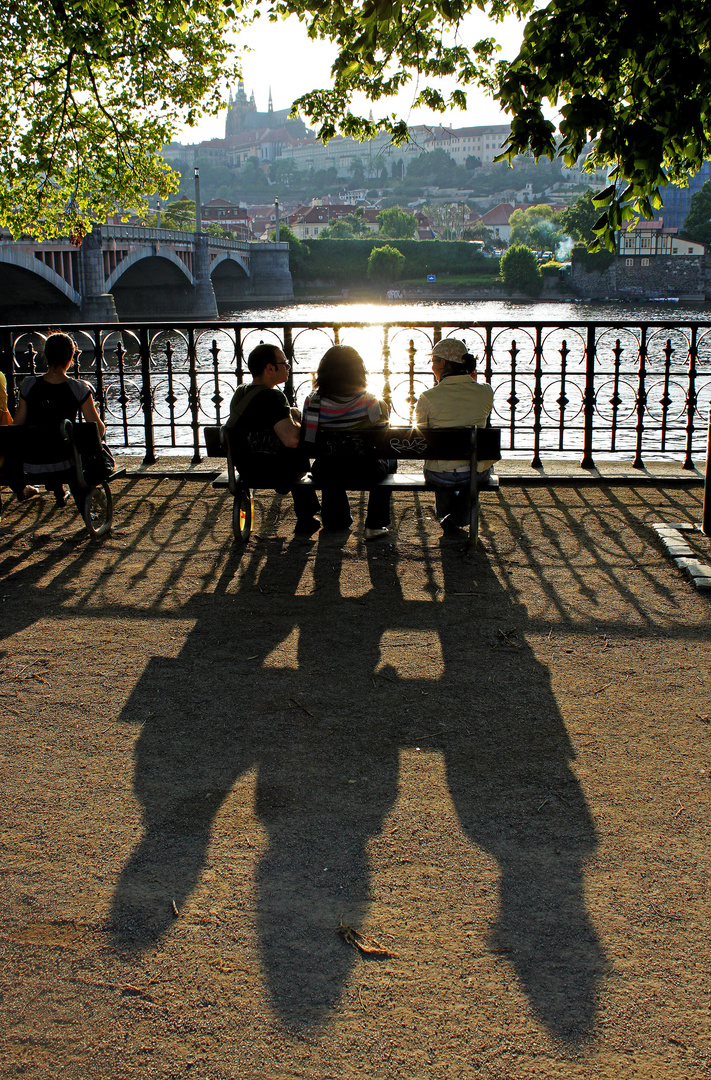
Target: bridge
[{"x": 123, "y": 271}]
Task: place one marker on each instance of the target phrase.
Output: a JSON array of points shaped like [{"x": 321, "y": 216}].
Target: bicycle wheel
[
  {"x": 99, "y": 510},
  {"x": 243, "y": 515}
]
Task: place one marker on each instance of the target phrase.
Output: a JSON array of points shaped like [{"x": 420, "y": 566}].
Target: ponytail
[{"x": 465, "y": 366}]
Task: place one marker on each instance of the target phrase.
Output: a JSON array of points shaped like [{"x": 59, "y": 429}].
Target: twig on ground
[
  {"x": 307, "y": 711},
  {"x": 368, "y": 946}
]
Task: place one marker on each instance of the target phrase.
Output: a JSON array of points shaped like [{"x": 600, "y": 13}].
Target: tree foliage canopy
[
  {"x": 385, "y": 263},
  {"x": 397, "y": 224},
  {"x": 91, "y": 89},
  {"x": 579, "y": 219},
  {"x": 535, "y": 227}
]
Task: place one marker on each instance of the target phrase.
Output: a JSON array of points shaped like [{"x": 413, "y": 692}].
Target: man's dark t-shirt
[{"x": 260, "y": 456}]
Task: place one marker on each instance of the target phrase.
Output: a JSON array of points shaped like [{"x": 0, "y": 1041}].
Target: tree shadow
[{"x": 324, "y": 735}]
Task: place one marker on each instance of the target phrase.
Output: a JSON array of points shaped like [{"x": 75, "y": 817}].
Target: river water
[{"x": 513, "y": 311}]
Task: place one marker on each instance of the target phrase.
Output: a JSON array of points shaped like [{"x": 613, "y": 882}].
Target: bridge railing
[
  {"x": 138, "y": 234},
  {"x": 634, "y": 390}
]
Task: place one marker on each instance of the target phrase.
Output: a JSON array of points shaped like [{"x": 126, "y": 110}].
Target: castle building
[{"x": 242, "y": 116}]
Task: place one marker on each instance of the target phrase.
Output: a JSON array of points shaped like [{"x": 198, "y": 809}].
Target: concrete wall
[{"x": 666, "y": 275}]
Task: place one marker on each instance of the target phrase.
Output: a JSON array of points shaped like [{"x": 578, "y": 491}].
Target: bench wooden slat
[{"x": 403, "y": 444}]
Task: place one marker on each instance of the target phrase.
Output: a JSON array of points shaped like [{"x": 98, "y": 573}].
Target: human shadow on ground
[{"x": 324, "y": 733}]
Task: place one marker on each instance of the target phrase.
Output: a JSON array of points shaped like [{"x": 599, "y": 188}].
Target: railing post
[
  {"x": 615, "y": 400},
  {"x": 217, "y": 396},
  {"x": 691, "y": 400},
  {"x": 706, "y": 520},
  {"x": 537, "y": 400},
  {"x": 239, "y": 356},
  {"x": 99, "y": 363},
  {"x": 411, "y": 397},
  {"x": 589, "y": 400},
  {"x": 512, "y": 398},
  {"x": 193, "y": 396},
  {"x": 7, "y": 366},
  {"x": 641, "y": 398},
  {"x": 289, "y": 354},
  {"x": 171, "y": 396},
  {"x": 488, "y": 354},
  {"x": 147, "y": 396},
  {"x": 665, "y": 400},
  {"x": 387, "y": 393},
  {"x": 562, "y": 399}
]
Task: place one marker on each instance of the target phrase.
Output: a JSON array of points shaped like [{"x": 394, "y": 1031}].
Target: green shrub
[
  {"x": 550, "y": 269},
  {"x": 385, "y": 264},
  {"x": 520, "y": 271}
]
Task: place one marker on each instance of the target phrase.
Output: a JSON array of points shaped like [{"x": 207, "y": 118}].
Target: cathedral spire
[{"x": 270, "y": 107}]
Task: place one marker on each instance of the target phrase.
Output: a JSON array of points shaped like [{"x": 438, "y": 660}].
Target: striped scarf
[{"x": 359, "y": 410}]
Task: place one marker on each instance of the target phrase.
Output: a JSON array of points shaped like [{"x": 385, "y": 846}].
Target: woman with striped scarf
[{"x": 342, "y": 402}]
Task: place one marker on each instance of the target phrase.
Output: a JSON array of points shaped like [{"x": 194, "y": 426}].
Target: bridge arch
[
  {"x": 12, "y": 257},
  {"x": 231, "y": 256},
  {"x": 147, "y": 252},
  {"x": 231, "y": 278}
]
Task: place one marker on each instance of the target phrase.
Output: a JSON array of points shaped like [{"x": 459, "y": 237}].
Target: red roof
[{"x": 498, "y": 215}]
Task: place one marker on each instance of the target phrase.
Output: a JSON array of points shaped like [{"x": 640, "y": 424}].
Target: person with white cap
[{"x": 457, "y": 400}]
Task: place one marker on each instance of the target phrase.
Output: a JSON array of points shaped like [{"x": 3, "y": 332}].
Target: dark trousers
[
  {"x": 336, "y": 509},
  {"x": 336, "y": 475},
  {"x": 452, "y": 502}
]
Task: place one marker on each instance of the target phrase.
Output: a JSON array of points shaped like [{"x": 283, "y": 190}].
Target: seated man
[
  {"x": 456, "y": 400},
  {"x": 268, "y": 433}
]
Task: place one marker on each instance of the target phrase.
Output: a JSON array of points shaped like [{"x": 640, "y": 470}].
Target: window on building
[
  {"x": 629, "y": 262},
  {"x": 645, "y": 262}
]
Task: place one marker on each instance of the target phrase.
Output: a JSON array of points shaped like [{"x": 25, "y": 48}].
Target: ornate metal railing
[{"x": 637, "y": 390}]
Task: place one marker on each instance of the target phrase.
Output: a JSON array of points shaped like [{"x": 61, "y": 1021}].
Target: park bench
[
  {"x": 401, "y": 444},
  {"x": 80, "y": 444}
]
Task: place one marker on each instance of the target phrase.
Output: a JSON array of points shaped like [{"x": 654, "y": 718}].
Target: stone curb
[{"x": 671, "y": 536}]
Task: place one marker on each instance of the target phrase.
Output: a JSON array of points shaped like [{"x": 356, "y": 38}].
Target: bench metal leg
[
  {"x": 243, "y": 514},
  {"x": 473, "y": 496}
]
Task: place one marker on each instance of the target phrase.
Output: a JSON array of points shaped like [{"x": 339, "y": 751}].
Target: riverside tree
[
  {"x": 697, "y": 223},
  {"x": 397, "y": 224},
  {"x": 91, "y": 89}
]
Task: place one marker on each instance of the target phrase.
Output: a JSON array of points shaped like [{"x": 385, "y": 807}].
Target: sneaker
[
  {"x": 451, "y": 527},
  {"x": 28, "y": 492},
  {"x": 373, "y": 534},
  {"x": 61, "y": 497}
]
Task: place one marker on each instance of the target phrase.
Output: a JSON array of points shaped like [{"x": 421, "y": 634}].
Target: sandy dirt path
[{"x": 495, "y": 766}]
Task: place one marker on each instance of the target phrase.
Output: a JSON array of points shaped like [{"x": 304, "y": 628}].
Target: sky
[{"x": 282, "y": 57}]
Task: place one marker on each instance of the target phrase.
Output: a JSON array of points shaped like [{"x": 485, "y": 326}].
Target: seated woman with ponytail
[{"x": 457, "y": 400}]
